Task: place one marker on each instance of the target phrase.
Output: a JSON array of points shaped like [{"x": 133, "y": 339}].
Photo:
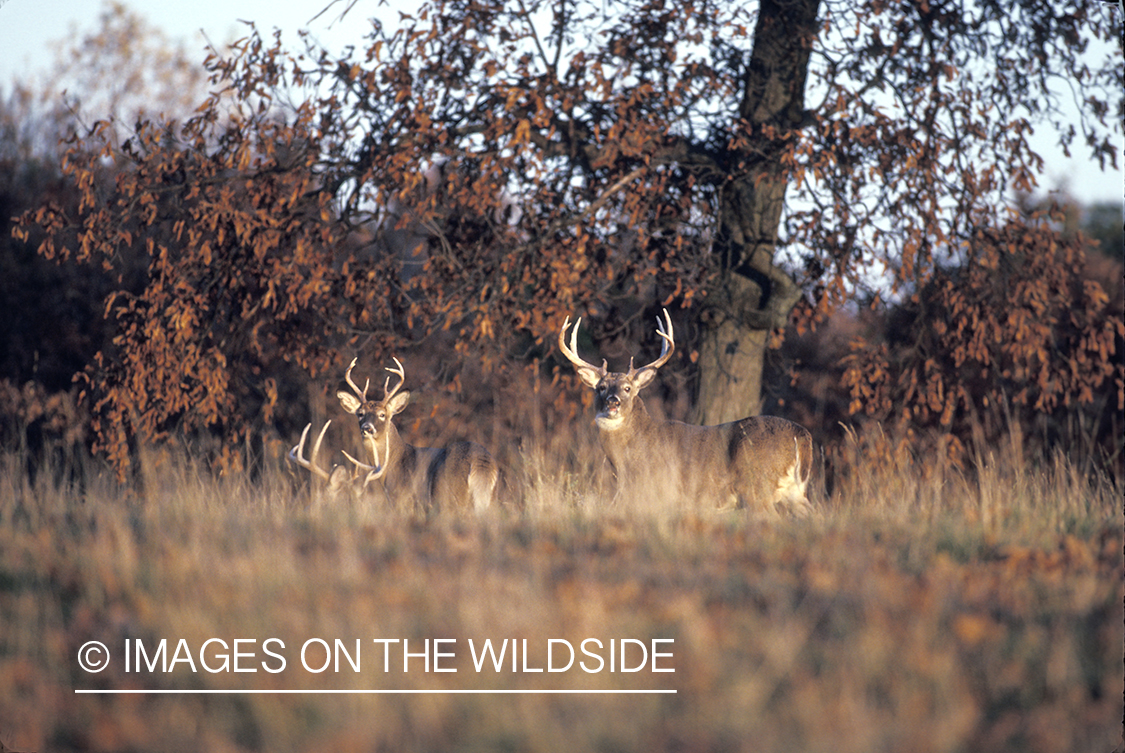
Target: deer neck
[
  {"x": 389, "y": 449},
  {"x": 623, "y": 438}
]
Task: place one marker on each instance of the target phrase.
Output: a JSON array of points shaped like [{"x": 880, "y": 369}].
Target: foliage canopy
[{"x": 483, "y": 169}]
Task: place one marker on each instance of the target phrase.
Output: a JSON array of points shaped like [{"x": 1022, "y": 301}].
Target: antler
[
  {"x": 388, "y": 393},
  {"x": 297, "y": 454},
  {"x": 374, "y": 472},
  {"x": 571, "y": 353},
  {"x": 361, "y": 394},
  {"x": 666, "y": 350},
  {"x": 401, "y": 374}
]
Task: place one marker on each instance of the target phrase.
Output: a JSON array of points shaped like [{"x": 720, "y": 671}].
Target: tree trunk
[
  {"x": 731, "y": 357},
  {"x": 754, "y": 296}
]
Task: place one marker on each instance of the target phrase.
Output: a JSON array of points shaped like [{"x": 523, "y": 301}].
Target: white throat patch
[{"x": 606, "y": 423}]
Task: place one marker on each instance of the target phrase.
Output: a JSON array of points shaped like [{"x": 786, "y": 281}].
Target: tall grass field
[{"x": 923, "y": 608}]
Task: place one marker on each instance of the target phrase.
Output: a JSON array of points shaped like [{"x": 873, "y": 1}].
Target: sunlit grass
[{"x": 925, "y": 608}]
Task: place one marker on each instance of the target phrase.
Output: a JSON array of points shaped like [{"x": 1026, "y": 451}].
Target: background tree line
[{"x": 836, "y": 200}]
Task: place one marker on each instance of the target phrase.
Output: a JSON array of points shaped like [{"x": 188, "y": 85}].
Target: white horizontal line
[{"x": 370, "y": 692}]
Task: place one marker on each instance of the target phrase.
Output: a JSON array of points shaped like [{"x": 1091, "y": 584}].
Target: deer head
[{"x": 615, "y": 392}]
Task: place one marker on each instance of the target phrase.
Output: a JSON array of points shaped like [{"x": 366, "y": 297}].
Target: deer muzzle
[{"x": 609, "y": 412}]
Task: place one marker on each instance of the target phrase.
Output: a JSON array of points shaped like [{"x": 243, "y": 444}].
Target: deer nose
[
  {"x": 613, "y": 401},
  {"x": 367, "y": 428}
]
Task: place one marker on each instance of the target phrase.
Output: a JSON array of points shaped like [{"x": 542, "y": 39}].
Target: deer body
[
  {"x": 760, "y": 462},
  {"x": 462, "y": 475}
]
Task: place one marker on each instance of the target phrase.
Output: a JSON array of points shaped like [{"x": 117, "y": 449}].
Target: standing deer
[
  {"x": 760, "y": 462},
  {"x": 461, "y": 475}
]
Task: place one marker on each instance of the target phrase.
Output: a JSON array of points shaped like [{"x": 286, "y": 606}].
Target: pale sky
[{"x": 31, "y": 29}]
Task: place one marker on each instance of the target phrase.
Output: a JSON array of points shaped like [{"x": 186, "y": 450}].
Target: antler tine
[
  {"x": 374, "y": 472},
  {"x": 667, "y": 348},
  {"x": 297, "y": 454},
  {"x": 666, "y": 334},
  {"x": 571, "y": 352},
  {"x": 361, "y": 394},
  {"x": 400, "y": 372}
]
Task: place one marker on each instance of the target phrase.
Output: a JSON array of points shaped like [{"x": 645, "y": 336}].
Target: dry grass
[{"x": 926, "y": 609}]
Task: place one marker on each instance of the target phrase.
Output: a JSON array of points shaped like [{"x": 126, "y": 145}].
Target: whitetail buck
[
  {"x": 461, "y": 475},
  {"x": 762, "y": 462}
]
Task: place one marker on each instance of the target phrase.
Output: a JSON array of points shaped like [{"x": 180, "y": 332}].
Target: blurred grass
[{"x": 927, "y": 608}]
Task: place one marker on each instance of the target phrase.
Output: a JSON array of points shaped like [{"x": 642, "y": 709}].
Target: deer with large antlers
[
  {"x": 462, "y": 475},
  {"x": 761, "y": 462}
]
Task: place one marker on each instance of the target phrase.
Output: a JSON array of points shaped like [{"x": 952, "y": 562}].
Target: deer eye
[
  {"x": 381, "y": 415},
  {"x": 626, "y": 388}
]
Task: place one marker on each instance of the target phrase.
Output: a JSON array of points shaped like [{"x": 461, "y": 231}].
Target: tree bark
[
  {"x": 731, "y": 358},
  {"x": 754, "y": 296}
]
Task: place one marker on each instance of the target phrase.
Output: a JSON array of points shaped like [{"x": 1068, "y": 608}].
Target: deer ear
[
  {"x": 398, "y": 403},
  {"x": 590, "y": 377},
  {"x": 349, "y": 401},
  {"x": 642, "y": 378}
]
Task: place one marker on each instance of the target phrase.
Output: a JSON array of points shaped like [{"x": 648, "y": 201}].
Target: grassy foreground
[{"x": 922, "y": 610}]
